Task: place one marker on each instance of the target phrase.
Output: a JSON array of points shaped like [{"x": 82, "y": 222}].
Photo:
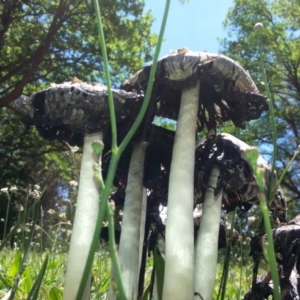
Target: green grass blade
[
  {"x": 271, "y": 106},
  {"x": 18, "y": 224},
  {"x": 27, "y": 284},
  {"x": 252, "y": 156},
  {"x": 55, "y": 294},
  {"x": 146, "y": 101},
  {"x": 116, "y": 153},
  {"x": 159, "y": 265},
  {"x": 15, "y": 266},
  {"x": 36, "y": 213},
  {"x": 107, "y": 76},
  {"x": 34, "y": 292},
  {"x": 263, "y": 202}
]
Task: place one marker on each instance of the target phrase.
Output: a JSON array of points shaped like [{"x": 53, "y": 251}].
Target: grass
[
  {"x": 52, "y": 285},
  {"x": 56, "y": 240}
]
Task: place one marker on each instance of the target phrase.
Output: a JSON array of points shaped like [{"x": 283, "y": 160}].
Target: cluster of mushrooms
[{"x": 198, "y": 90}]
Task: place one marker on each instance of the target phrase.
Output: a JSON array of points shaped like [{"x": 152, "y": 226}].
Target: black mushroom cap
[
  {"x": 286, "y": 239},
  {"x": 237, "y": 179},
  {"x": 227, "y": 91},
  {"x": 287, "y": 245},
  {"x": 69, "y": 110}
]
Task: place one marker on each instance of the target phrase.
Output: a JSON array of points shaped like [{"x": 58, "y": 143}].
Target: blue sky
[{"x": 196, "y": 25}]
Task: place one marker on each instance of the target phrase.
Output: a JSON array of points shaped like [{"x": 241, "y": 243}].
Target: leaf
[
  {"x": 15, "y": 266},
  {"x": 27, "y": 284},
  {"x": 55, "y": 294},
  {"x": 34, "y": 292},
  {"x": 159, "y": 264}
]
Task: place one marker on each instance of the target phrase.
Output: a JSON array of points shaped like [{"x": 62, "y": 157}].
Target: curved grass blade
[
  {"x": 116, "y": 153},
  {"x": 34, "y": 292},
  {"x": 55, "y": 294},
  {"x": 251, "y": 156},
  {"x": 20, "y": 221},
  {"x": 36, "y": 213},
  {"x": 159, "y": 265}
]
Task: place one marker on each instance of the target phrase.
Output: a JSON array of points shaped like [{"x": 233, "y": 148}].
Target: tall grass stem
[{"x": 116, "y": 152}]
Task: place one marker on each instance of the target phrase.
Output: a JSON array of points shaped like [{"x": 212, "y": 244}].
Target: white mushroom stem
[
  {"x": 179, "y": 259},
  {"x": 133, "y": 219},
  {"x": 143, "y": 224},
  {"x": 206, "y": 252},
  {"x": 85, "y": 220}
]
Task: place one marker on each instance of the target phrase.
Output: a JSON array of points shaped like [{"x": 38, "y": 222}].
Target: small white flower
[
  {"x": 2, "y": 220},
  {"x": 4, "y": 190},
  {"x": 74, "y": 149},
  {"x": 51, "y": 211},
  {"x": 251, "y": 219},
  {"x": 258, "y": 27},
  {"x": 20, "y": 207},
  {"x": 13, "y": 188},
  {"x": 35, "y": 194},
  {"x": 62, "y": 216},
  {"x": 73, "y": 183},
  {"x": 36, "y": 187}
]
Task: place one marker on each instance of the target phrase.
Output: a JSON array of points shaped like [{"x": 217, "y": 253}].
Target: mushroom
[
  {"x": 239, "y": 187},
  {"x": 197, "y": 89},
  {"x": 69, "y": 110},
  {"x": 237, "y": 178},
  {"x": 75, "y": 111}
]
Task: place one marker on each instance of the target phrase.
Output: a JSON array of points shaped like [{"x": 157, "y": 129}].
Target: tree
[
  {"x": 281, "y": 47},
  {"x": 53, "y": 41},
  {"x": 46, "y": 42}
]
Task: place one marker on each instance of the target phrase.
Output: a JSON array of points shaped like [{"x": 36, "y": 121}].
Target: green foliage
[
  {"x": 159, "y": 265},
  {"x": 33, "y": 294},
  {"x": 45, "y": 42},
  {"x": 280, "y": 38},
  {"x": 51, "y": 286},
  {"x": 50, "y": 275}
]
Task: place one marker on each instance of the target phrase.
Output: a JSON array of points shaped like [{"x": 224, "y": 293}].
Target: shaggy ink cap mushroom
[
  {"x": 227, "y": 91},
  {"x": 237, "y": 179},
  {"x": 69, "y": 110}
]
